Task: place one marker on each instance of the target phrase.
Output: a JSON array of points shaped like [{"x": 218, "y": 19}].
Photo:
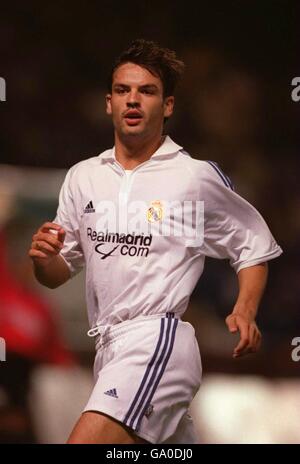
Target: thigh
[{"x": 98, "y": 428}]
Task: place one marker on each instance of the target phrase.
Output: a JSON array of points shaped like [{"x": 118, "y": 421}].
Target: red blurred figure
[{"x": 31, "y": 335}]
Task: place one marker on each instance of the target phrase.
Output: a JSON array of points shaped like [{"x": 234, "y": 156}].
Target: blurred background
[{"x": 233, "y": 106}]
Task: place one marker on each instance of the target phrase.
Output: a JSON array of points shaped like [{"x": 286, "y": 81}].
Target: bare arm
[
  {"x": 50, "y": 269},
  {"x": 252, "y": 283}
]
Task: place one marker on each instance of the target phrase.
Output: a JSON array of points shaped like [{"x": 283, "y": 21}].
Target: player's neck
[{"x": 134, "y": 151}]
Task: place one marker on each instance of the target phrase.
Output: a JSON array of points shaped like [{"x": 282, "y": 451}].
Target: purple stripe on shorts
[
  {"x": 144, "y": 380},
  {"x": 163, "y": 367},
  {"x": 152, "y": 383},
  {"x": 153, "y": 375}
]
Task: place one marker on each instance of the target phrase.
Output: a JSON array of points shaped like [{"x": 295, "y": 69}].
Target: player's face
[{"x": 136, "y": 103}]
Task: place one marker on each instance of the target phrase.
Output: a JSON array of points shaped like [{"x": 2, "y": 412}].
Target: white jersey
[{"x": 132, "y": 268}]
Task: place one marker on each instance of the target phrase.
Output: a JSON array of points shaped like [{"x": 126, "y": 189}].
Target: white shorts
[{"x": 147, "y": 371}]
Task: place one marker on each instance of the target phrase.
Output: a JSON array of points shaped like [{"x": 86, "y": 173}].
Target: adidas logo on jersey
[
  {"x": 89, "y": 208},
  {"x": 112, "y": 392}
]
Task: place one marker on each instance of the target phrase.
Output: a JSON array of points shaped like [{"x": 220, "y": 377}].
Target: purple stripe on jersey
[
  {"x": 229, "y": 181},
  {"x": 224, "y": 178},
  {"x": 144, "y": 380},
  {"x": 144, "y": 401},
  {"x": 163, "y": 367}
]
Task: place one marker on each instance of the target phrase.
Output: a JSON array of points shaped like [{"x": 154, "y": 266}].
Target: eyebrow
[
  {"x": 141, "y": 87},
  {"x": 149, "y": 87}
]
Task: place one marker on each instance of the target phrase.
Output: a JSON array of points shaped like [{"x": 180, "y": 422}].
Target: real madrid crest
[{"x": 155, "y": 211}]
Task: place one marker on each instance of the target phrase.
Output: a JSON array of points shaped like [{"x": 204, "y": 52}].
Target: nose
[{"x": 133, "y": 99}]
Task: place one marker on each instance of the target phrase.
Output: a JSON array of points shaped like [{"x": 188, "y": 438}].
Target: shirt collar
[{"x": 168, "y": 147}]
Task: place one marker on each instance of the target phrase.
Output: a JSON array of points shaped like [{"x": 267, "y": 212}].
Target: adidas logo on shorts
[{"x": 112, "y": 392}]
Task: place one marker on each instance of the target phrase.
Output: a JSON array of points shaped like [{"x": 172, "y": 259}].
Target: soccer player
[{"x": 141, "y": 217}]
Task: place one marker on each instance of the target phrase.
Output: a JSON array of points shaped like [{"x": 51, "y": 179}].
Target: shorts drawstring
[
  {"x": 98, "y": 330},
  {"x": 101, "y": 330}
]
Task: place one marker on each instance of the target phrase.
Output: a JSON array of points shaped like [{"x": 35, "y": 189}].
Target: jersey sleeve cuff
[
  {"x": 254, "y": 261},
  {"x": 72, "y": 269}
]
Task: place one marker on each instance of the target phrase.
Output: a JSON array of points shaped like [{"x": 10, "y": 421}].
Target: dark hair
[{"x": 161, "y": 62}]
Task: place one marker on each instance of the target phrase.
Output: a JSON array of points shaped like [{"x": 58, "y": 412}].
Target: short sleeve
[
  {"x": 67, "y": 218},
  {"x": 233, "y": 228}
]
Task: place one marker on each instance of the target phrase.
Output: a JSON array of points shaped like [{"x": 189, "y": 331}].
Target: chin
[{"x": 133, "y": 131}]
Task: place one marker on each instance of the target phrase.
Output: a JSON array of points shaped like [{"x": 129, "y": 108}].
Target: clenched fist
[{"x": 46, "y": 243}]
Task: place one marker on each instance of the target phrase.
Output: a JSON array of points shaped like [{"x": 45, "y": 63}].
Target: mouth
[{"x": 133, "y": 117}]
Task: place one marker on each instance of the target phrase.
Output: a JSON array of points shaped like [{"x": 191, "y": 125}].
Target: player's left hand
[{"x": 250, "y": 336}]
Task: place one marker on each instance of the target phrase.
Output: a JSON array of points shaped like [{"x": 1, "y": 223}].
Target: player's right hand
[{"x": 46, "y": 243}]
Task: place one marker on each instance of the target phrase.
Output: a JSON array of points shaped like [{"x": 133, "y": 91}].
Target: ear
[
  {"x": 108, "y": 104},
  {"x": 169, "y": 106}
]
